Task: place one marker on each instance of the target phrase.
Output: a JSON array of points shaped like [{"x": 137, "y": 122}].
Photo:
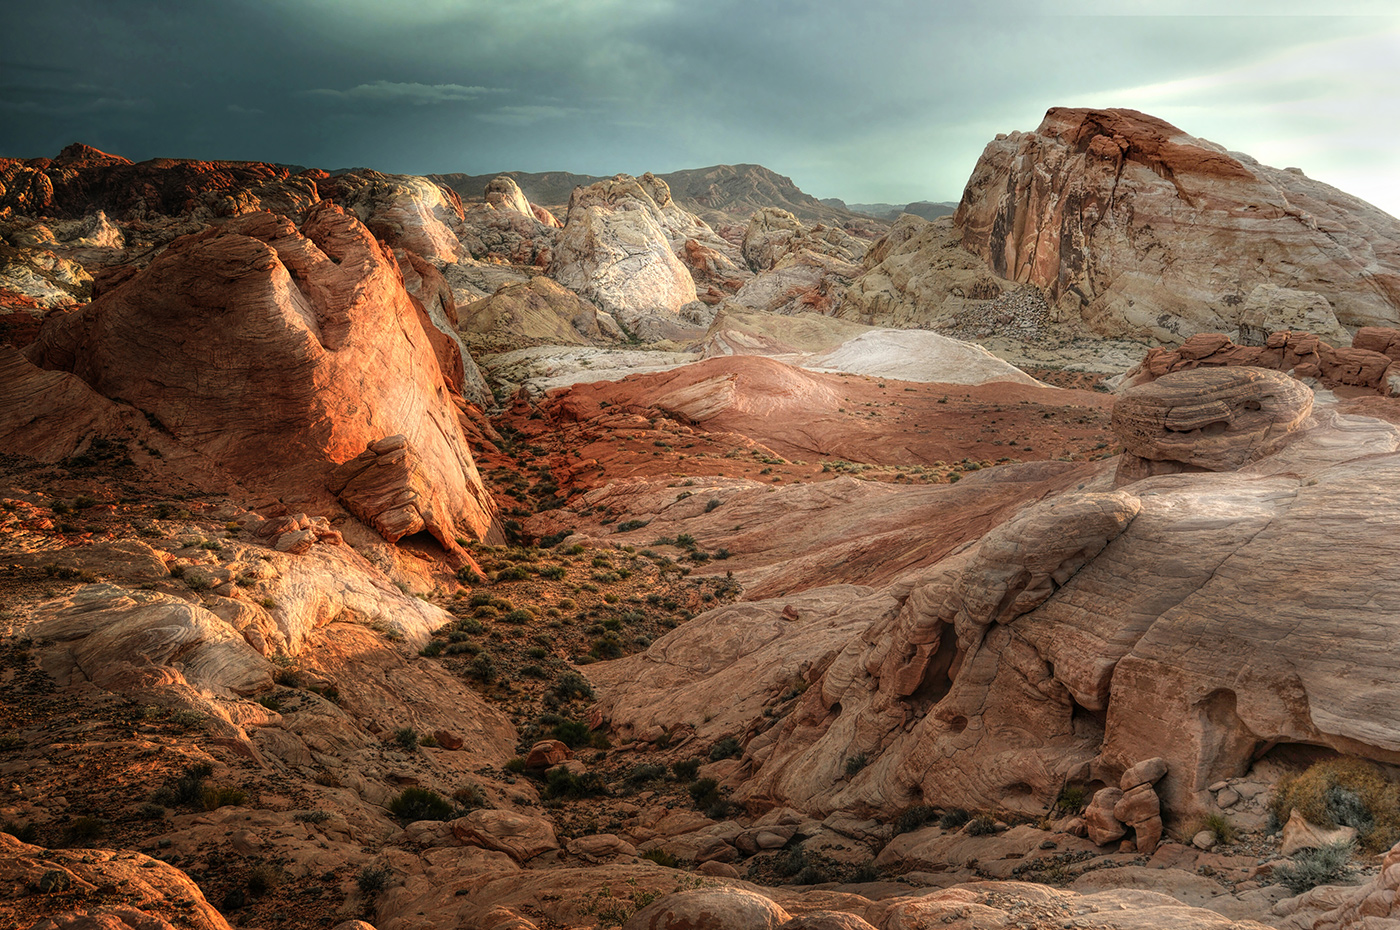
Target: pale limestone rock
[
  {"x": 1299, "y": 834},
  {"x": 1271, "y": 309},
  {"x": 613, "y": 250}
]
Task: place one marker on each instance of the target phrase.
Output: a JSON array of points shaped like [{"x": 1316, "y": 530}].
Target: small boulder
[
  {"x": 1102, "y": 826},
  {"x": 519, "y": 836},
  {"x": 1299, "y": 834},
  {"x": 710, "y": 909},
  {"x": 547, "y": 753},
  {"x": 1146, "y": 772},
  {"x": 1138, "y": 805}
]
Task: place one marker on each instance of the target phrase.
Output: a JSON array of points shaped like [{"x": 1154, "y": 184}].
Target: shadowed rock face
[
  {"x": 265, "y": 347},
  {"x": 1206, "y": 419},
  {"x": 1141, "y": 229}
]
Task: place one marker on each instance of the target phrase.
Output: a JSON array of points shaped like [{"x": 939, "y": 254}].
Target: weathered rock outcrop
[
  {"x": 918, "y": 275},
  {"x": 614, "y": 250},
  {"x": 77, "y": 889},
  {"x": 1076, "y": 640},
  {"x": 257, "y": 336},
  {"x": 1372, "y": 361},
  {"x": 1140, "y": 229},
  {"x": 1270, "y": 309},
  {"x": 1206, "y": 419},
  {"x": 538, "y": 312}
]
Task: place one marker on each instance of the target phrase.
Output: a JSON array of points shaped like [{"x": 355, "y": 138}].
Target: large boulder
[
  {"x": 613, "y": 250},
  {"x": 257, "y": 336},
  {"x": 1206, "y": 419},
  {"x": 1105, "y": 210}
]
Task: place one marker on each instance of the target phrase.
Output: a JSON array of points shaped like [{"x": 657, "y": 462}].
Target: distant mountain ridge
[
  {"x": 724, "y": 194},
  {"x": 890, "y": 212}
]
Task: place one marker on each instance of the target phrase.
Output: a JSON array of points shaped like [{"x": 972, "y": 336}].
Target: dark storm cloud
[{"x": 882, "y": 100}]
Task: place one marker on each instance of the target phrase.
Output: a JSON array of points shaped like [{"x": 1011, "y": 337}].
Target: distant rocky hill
[
  {"x": 720, "y": 194},
  {"x": 890, "y": 212}
]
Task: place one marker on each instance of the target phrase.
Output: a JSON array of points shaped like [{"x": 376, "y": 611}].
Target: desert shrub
[
  {"x": 407, "y": 738},
  {"x": 82, "y": 829},
  {"x": 704, "y": 792},
  {"x": 514, "y": 573},
  {"x": 482, "y": 668},
  {"x": 865, "y": 872},
  {"x": 316, "y": 816},
  {"x": 10, "y": 743},
  {"x": 186, "y": 788},
  {"x": 607, "y": 646},
  {"x": 420, "y": 804},
  {"x": 271, "y": 702},
  {"x": 981, "y": 825},
  {"x": 151, "y": 811},
  {"x": 561, "y": 783},
  {"x": 912, "y": 818},
  {"x": 553, "y": 572},
  {"x": 661, "y": 857},
  {"x": 572, "y": 685},
  {"x": 626, "y": 526},
  {"x": 214, "y": 797},
  {"x": 24, "y": 832},
  {"x": 434, "y": 647},
  {"x": 534, "y": 671},
  {"x": 468, "y": 575},
  {"x": 1218, "y": 824},
  {"x": 1072, "y": 799},
  {"x": 572, "y": 733},
  {"x": 1326, "y": 865},
  {"x": 1343, "y": 792},
  {"x": 726, "y": 748},
  {"x": 647, "y": 771},
  {"x": 470, "y": 797},
  {"x": 792, "y": 862},
  {"x": 685, "y": 769},
  {"x": 954, "y": 818},
  {"x": 188, "y": 719},
  {"x": 263, "y": 878},
  {"x": 515, "y": 765},
  {"x": 855, "y": 763},
  {"x": 519, "y": 616},
  {"x": 712, "y": 503},
  {"x": 479, "y": 599},
  {"x": 373, "y": 879}
]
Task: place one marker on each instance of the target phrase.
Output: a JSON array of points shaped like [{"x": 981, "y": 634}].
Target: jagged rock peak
[{"x": 1103, "y": 209}]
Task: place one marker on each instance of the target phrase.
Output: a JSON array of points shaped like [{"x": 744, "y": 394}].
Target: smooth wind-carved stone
[{"x": 1206, "y": 419}]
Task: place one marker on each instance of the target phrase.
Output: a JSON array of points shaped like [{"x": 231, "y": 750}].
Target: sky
[{"x": 866, "y": 100}]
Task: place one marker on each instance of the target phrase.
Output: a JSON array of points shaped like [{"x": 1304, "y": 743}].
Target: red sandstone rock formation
[
  {"x": 279, "y": 354},
  {"x": 1372, "y": 361}
]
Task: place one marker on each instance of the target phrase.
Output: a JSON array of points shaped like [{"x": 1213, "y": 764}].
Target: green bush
[
  {"x": 216, "y": 796},
  {"x": 571, "y": 686},
  {"x": 561, "y": 783},
  {"x": 661, "y": 857},
  {"x": 572, "y": 733},
  {"x": 434, "y": 647},
  {"x": 470, "y": 797},
  {"x": 685, "y": 769},
  {"x": 855, "y": 763},
  {"x": 407, "y": 738},
  {"x": 1072, "y": 799},
  {"x": 954, "y": 818},
  {"x": 646, "y": 772},
  {"x": 373, "y": 879},
  {"x": 981, "y": 825},
  {"x": 704, "y": 792},
  {"x": 726, "y": 748},
  {"x": 1326, "y": 865},
  {"x": 420, "y": 804},
  {"x": 1343, "y": 792},
  {"x": 913, "y": 818}
]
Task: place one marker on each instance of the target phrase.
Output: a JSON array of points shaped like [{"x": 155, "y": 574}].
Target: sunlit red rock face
[
  {"x": 280, "y": 353},
  {"x": 1141, "y": 229}
]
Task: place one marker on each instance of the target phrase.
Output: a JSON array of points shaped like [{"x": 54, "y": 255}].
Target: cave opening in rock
[{"x": 939, "y": 673}]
